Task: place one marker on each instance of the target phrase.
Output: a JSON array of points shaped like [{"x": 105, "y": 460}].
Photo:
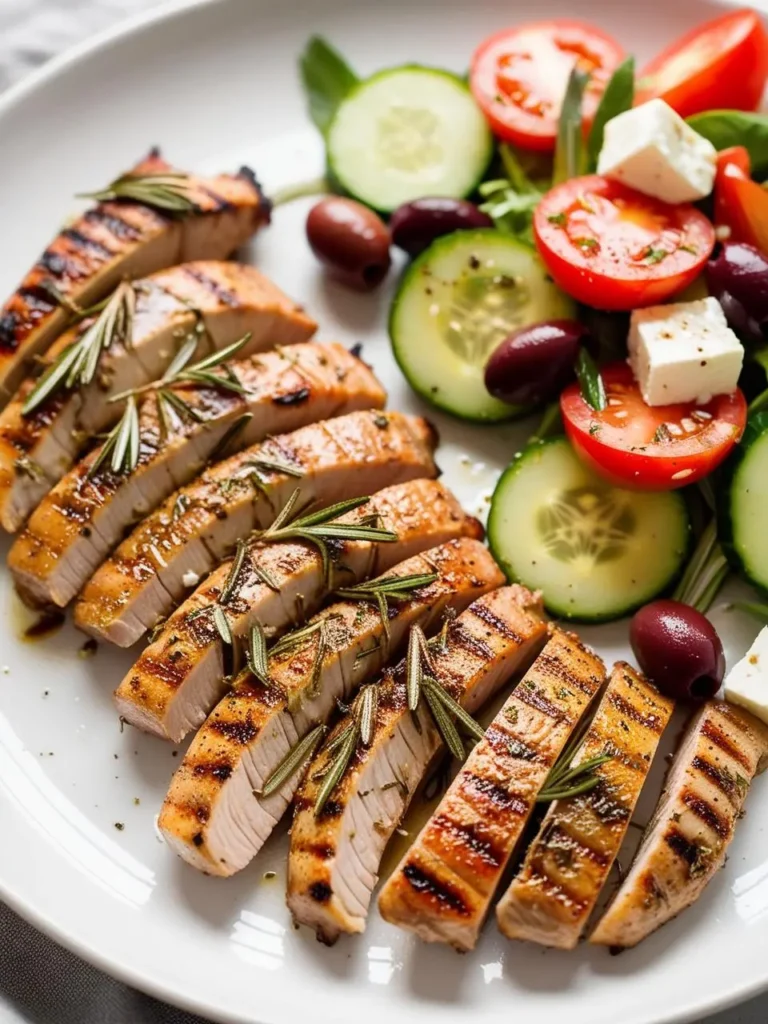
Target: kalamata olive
[
  {"x": 350, "y": 240},
  {"x": 415, "y": 226},
  {"x": 534, "y": 363},
  {"x": 678, "y": 649},
  {"x": 738, "y": 278}
]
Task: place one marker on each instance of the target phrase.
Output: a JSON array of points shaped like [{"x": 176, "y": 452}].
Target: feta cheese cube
[
  {"x": 652, "y": 149},
  {"x": 683, "y": 352},
  {"x": 747, "y": 682}
]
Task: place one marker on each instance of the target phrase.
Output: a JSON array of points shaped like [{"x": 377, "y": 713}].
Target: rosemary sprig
[
  {"x": 169, "y": 191},
  {"x": 122, "y": 446},
  {"x": 256, "y": 655},
  {"x": 565, "y": 781},
  {"x": 385, "y": 589},
  {"x": 234, "y": 573},
  {"x": 705, "y": 573},
  {"x": 302, "y": 636},
  {"x": 221, "y": 622},
  {"x": 297, "y": 757},
  {"x": 76, "y": 366},
  {"x": 319, "y": 527},
  {"x": 359, "y": 731},
  {"x": 443, "y": 707}
]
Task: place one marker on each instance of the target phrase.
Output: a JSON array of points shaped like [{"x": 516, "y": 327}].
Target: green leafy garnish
[
  {"x": 327, "y": 80},
  {"x": 569, "y": 149},
  {"x": 705, "y": 573},
  {"x": 726, "y": 128},
  {"x": 169, "y": 191},
  {"x": 591, "y": 381},
  {"x": 618, "y": 97}
]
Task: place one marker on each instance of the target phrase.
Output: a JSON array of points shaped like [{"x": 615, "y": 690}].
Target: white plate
[{"x": 216, "y": 86}]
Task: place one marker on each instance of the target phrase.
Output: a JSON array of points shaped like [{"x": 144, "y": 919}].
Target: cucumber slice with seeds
[
  {"x": 409, "y": 132},
  {"x": 459, "y": 300},
  {"x": 742, "y": 504},
  {"x": 596, "y": 552}
]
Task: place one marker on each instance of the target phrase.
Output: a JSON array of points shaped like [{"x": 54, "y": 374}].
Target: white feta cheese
[
  {"x": 190, "y": 579},
  {"x": 684, "y": 352},
  {"x": 652, "y": 149},
  {"x": 747, "y": 682}
]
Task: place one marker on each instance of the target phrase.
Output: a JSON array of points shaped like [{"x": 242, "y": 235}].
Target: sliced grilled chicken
[
  {"x": 686, "y": 841},
  {"x": 332, "y": 382},
  {"x": 181, "y": 674},
  {"x": 213, "y": 815},
  {"x": 228, "y": 300},
  {"x": 567, "y": 865},
  {"x": 444, "y": 885},
  {"x": 335, "y": 857},
  {"x": 195, "y": 528},
  {"x": 113, "y": 241}
]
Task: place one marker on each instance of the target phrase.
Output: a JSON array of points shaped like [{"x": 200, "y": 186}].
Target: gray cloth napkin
[{"x": 41, "y": 983}]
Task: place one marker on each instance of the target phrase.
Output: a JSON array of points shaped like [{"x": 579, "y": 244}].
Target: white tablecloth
[{"x": 40, "y": 983}]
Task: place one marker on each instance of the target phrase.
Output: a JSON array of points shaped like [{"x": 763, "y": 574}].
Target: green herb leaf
[
  {"x": 121, "y": 448},
  {"x": 234, "y": 573},
  {"x": 327, "y": 80},
  {"x": 592, "y": 387},
  {"x": 565, "y": 781},
  {"x": 760, "y": 611},
  {"x": 222, "y": 625},
  {"x": 296, "y": 758},
  {"x": 256, "y": 654},
  {"x": 705, "y": 573},
  {"x": 618, "y": 97},
  {"x": 336, "y": 771},
  {"x": 569, "y": 155},
  {"x": 726, "y": 128},
  {"x": 385, "y": 589},
  {"x": 368, "y": 708},
  {"x": 169, "y": 191}
]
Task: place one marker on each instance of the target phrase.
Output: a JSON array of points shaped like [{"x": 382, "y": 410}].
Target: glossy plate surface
[{"x": 215, "y": 85}]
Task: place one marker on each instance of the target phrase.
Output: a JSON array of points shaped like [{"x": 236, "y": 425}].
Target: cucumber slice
[
  {"x": 596, "y": 552},
  {"x": 409, "y": 132},
  {"x": 455, "y": 304},
  {"x": 742, "y": 515}
]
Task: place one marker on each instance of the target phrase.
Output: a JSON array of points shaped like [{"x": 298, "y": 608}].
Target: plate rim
[{"x": 33, "y": 82}]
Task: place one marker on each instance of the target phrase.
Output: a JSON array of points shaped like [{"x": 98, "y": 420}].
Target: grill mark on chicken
[
  {"x": 720, "y": 777},
  {"x": 704, "y": 810},
  {"x": 556, "y": 837},
  {"x": 648, "y": 721},
  {"x": 425, "y": 883},
  {"x": 321, "y": 892},
  {"x": 487, "y": 614},
  {"x": 536, "y": 700},
  {"x": 78, "y": 238},
  {"x": 498, "y": 796},
  {"x": 293, "y": 398},
  {"x": 108, "y": 217},
  {"x": 718, "y": 738},
  {"x": 682, "y": 846},
  {"x": 223, "y": 294},
  {"x": 556, "y": 889},
  {"x": 469, "y": 835},
  {"x": 220, "y": 770},
  {"x": 241, "y": 731}
]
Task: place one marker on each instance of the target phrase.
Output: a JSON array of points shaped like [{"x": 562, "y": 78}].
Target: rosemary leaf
[
  {"x": 220, "y": 357},
  {"x": 337, "y": 769},
  {"x": 274, "y": 466},
  {"x": 258, "y": 661},
  {"x": 430, "y": 684},
  {"x": 182, "y": 409},
  {"x": 340, "y": 739},
  {"x": 296, "y": 758},
  {"x": 266, "y": 578},
  {"x": 413, "y": 670},
  {"x": 565, "y": 781},
  {"x": 168, "y": 191},
  {"x": 444, "y": 724},
  {"x": 705, "y": 573},
  {"x": 222, "y": 625},
  {"x": 591, "y": 381},
  {"x": 182, "y": 357},
  {"x": 385, "y": 589},
  {"x": 122, "y": 444},
  {"x": 225, "y": 441},
  {"x": 369, "y": 701},
  {"x": 234, "y": 573},
  {"x": 76, "y": 366}
]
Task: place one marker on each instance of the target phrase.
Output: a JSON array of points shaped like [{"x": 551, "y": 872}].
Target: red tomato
[
  {"x": 614, "y": 248},
  {"x": 741, "y": 205},
  {"x": 519, "y": 77},
  {"x": 722, "y": 64},
  {"x": 651, "y": 448}
]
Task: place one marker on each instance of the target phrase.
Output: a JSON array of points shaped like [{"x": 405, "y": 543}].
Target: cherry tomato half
[
  {"x": 741, "y": 205},
  {"x": 651, "y": 448},
  {"x": 614, "y": 248},
  {"x": 722, "y": 64},
  {"x": 519, "y": 77}
]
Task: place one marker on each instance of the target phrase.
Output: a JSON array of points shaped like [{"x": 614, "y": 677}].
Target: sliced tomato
[
  {"x": 519, "y": 77},
  {"x": 741, "y": 205},
  {"x": 722, "y": 64},
  {"x": 614, "y": 248},
  {"x": 651, "y": 448}
]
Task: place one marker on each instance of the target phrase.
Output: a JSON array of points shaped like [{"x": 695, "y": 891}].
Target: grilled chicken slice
[
  {"x": 180, "y": 676},
  {"x": 122, "y": 240},
  {"x": 335, "y": 857},
  {"x": 567, "y": 865},
  {"x": 443, "y": 887},
  {"x": 228, "y": 300},
  {"x": 686, "y": 841},
  {"x": 195, "y": 528},
  {"x": 213, "y": 815},
  {"x": 329, "y": 380}
]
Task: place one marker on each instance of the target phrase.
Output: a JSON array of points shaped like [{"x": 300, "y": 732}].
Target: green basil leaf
[
  {"x": 569, "y": 151},
  {"x": 618, "y": 97},
  {"x": 591, "y": 382},
  {"x": 725, "y": 128},
  {"x": 327, "y": 80}
]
